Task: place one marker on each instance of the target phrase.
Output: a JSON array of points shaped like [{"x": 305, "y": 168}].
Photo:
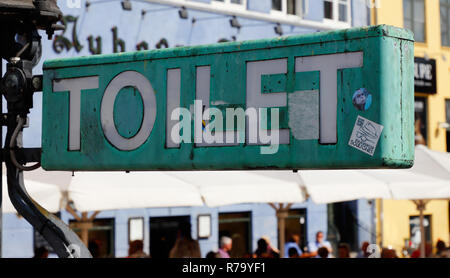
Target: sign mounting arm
[{"x": 18, "y": 85}]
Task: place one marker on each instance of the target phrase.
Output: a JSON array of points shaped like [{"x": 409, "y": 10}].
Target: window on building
[
  {"x": 295, "y": 226},
  {"x": 292, "y": 7},
  {"x": 233, "y": 2},
  {"x": 445, "y": 22},
  {"x": 337, "y": 10},
  {"x": 164, "y": 232},
  {"x": 414, "y": 18},
  {"x": 343, "y": 224},
  {"x": 420, "y": 120},
  {"x": 237, "y": 226},
  {"x": 328, "y": 9},
  {"x": 100, "y": 235},
  {"x": 135, "y": 229},
  {"x": 414, "y": 230},
  {"x": 277, "y": 5}
]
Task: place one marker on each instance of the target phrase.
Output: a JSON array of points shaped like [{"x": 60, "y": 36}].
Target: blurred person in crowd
[
  {"x": 388, "y": 253},
  {"x": 441, "y": 250},
  {"x": 293, "y": 253},
  {"x": 212, "y": 255},
  {"x": 275, "y": 253},
  {"x": 136, "y": 250},
  {"x": 226, "y": 244},
  {"x": 292, "y": 243},
  {"x": 343, "y": 251},
  {"x": 364, "y": 252},
  {"x": 40, "y": 253},
  {"x": 263, "y": 251},
  {"x": 185, "y": 246},
  {"x": 323, "y": 252},
  {"x": 238, "y": 249},
  {"x": 419, "y": 139},
  {"x": 94, "y": 248},
  {"x": 313, "y": 247}
]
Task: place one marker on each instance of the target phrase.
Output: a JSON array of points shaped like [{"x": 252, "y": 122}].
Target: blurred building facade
[
  {"x": 430, "y": 22},
  {"x": 113, "y": 26}
]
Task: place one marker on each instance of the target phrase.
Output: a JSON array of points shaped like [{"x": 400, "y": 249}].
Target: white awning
[
  {"x": 429, "y": 178},
  {"x": 219, "y": 188},
  {"x": 329, "y": 186},
  {"x": 91, "y": 191},
  {"x": 47, "y": 195}
]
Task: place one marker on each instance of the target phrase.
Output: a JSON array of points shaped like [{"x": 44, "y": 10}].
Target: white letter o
[{"x": 141, "y": 83}]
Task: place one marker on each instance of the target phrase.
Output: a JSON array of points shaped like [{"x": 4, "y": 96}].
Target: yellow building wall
[
  {"x": 396, "y": 221},
  {"x": 395, "y": 227}
]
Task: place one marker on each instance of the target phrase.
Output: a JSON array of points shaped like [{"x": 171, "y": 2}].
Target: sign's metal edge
[{"x": 322, "y": 37}]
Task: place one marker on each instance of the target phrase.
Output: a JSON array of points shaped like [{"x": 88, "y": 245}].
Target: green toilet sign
[{"x": 331, "y": 100}]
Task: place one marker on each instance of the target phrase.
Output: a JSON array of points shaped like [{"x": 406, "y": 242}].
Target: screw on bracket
[{"x": 36, "y": 82}]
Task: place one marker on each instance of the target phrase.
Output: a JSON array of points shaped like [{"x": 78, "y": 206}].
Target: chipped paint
[{"x": 304, "y": 114}]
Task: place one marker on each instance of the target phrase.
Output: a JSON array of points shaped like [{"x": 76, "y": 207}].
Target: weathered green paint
[
  {"x": 128, "y": 112},
  {"x": 387, "y": 73}
]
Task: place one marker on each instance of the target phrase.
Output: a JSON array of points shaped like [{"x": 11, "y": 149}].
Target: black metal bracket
[
  {"x": 21, "y": 47},
  {"x": 63, "y": 240},
  {"x": 24, "y": 155}
]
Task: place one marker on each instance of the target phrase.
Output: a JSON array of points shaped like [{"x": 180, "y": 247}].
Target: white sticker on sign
[{"x": 365, "y": 135}]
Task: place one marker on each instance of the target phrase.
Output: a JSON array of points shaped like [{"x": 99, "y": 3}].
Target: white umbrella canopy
[
  {"x": 220, "y": 188},
  {"x": 411, "y": 185},
  {"x": 433, "y": 163},
  {"x": 59, "y": 179},
  {"x": 45, "y": 187},
  {"x": 91, "y": 191},
  {"x": 116, "y": 190},
  {"x": 429, "y": 178},
  {"x": 48, "y": 195},
  {"x": 94, "y": 191},
  {"x": 330, "y": 186}
]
